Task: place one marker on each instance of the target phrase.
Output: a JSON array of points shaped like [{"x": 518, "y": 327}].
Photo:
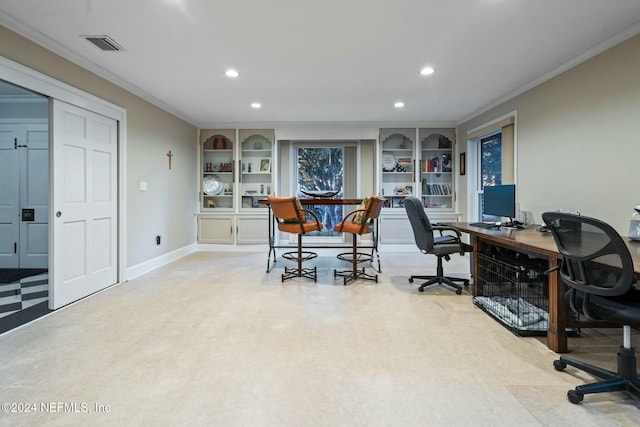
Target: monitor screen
[{"x": 499, "y": 200}]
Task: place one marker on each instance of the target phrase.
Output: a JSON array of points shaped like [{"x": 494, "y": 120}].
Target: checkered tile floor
[{"x": 24, "y": 293}]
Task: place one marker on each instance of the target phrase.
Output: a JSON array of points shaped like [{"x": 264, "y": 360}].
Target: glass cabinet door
[
  {"x": 256, "y": 166},
  {"x": 436, "y": 165},
  {"x": 217, "y": 168},
  {"x": 398, "y": 165}
]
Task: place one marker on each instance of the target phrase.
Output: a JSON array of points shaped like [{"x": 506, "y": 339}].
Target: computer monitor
[{"x": 500, "y": 200}]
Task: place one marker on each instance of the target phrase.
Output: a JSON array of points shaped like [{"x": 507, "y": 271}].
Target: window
[
  {"x": 491, "y": 152},
  {"x": 490, "y": 168},
  {"x": 491, "y": 160},
  {"x": 322, "y": 169}
]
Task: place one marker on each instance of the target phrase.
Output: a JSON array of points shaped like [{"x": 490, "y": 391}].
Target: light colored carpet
[{"x": 214, "y": 340}]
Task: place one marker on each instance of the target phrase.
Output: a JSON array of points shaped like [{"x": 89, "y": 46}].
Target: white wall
[{"x": 578, "y": 139}]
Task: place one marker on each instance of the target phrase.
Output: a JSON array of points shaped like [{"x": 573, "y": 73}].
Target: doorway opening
[{"x": 24, "y": 205}]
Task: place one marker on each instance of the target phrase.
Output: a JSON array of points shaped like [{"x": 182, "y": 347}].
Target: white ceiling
[{"x": 329, "y": 60}]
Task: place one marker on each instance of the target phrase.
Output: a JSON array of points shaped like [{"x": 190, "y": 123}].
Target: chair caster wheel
[
  {"x": 410, "y": 279},
  {"x": 458, "y": 291},
  {"x": 575, "y": 397},
  {"x": 421, "y": 289},
  {"x": 559, "y": 365},
  {"x": 466, "y": 283}
]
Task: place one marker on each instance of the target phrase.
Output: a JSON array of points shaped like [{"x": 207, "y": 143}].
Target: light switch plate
[{"x": 143, "y": 186}]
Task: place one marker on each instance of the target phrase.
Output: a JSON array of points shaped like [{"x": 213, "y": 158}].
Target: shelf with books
[
  {"x": 436, "y": 168},
  {"x": 398, "y": 167},
  {"x": 443, "y": 189}
]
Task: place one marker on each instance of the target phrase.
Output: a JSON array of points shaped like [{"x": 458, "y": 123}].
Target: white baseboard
[{"x": 157, "y": 262}]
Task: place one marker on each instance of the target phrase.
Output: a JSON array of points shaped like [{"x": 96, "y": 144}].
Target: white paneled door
[{"x": 85, "y": 208}]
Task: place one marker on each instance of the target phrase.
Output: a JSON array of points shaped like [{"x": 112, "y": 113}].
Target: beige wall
[
  {"x": 578, "y": 139},
  {"x": 168, "y": 206},
  {"x": 367, "y": 167}
]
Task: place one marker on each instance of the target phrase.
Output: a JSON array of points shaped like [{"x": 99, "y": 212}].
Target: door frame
[{"x": 35, "y": 81}]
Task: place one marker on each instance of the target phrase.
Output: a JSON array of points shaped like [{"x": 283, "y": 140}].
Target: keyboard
[{"x": 486, "y": 225}]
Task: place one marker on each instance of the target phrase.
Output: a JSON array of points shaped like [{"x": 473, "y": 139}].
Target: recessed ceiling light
[
  {"x": 231, "y": 73},
  {"x": 255, "y": 105},
  {"x": 399, "y": 104},
  {"x": 427, "y": 71}
]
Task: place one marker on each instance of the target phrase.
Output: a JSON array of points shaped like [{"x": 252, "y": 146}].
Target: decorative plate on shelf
[
  {"x": 388, "y": 162},
  {"x": 212, "y": 185}
]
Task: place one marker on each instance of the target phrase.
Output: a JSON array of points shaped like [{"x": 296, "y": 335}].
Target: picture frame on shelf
[
  {"x": 247, "y": 201},
  {"x": 265, "y": 165}
]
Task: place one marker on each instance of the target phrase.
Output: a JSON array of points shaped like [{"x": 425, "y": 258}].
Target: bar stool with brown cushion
[
  {"x": 292, "y": 218},
  {"x": 358, "y": 223}
]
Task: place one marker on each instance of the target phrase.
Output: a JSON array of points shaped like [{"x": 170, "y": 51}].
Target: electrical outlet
[{"x": 157, "y": 240}]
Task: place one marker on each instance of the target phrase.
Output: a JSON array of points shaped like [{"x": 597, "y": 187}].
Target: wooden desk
[{"x": 539, "y": 245}]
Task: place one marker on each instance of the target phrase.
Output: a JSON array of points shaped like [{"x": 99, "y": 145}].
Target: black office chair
[
  {"x": 441, "y": 246},
  {"x": 598, "y": 269}
]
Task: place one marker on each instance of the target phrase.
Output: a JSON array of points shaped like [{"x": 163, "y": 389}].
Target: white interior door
[
  {"x": 84, "y": 221},
  {"x": 9, "y": 196},
  {"x": 34, "y": 194}
]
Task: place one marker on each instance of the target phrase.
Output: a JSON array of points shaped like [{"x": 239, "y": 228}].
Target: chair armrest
[
  {"x": 442, "y": 228},
  {"x": 351, "y": 214},
  {"x": 457, "y": 238},
  {"x": 312, "y": 213}
]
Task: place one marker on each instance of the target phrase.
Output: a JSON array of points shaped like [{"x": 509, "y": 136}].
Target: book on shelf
[
  {"x": 436, "y": 189},
  {"x": 432, "y": 165}
]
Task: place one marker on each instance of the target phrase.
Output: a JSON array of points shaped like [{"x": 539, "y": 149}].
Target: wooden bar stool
[
  {"x": 358, "y": 223},
  {"x": 291, "y": 218}
]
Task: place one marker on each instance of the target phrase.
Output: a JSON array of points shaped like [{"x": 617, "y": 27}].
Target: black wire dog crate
[{"x": 514, "y": 290}]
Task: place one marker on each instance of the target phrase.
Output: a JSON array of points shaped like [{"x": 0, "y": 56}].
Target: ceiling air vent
[{"x": 104, "y": 43}]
